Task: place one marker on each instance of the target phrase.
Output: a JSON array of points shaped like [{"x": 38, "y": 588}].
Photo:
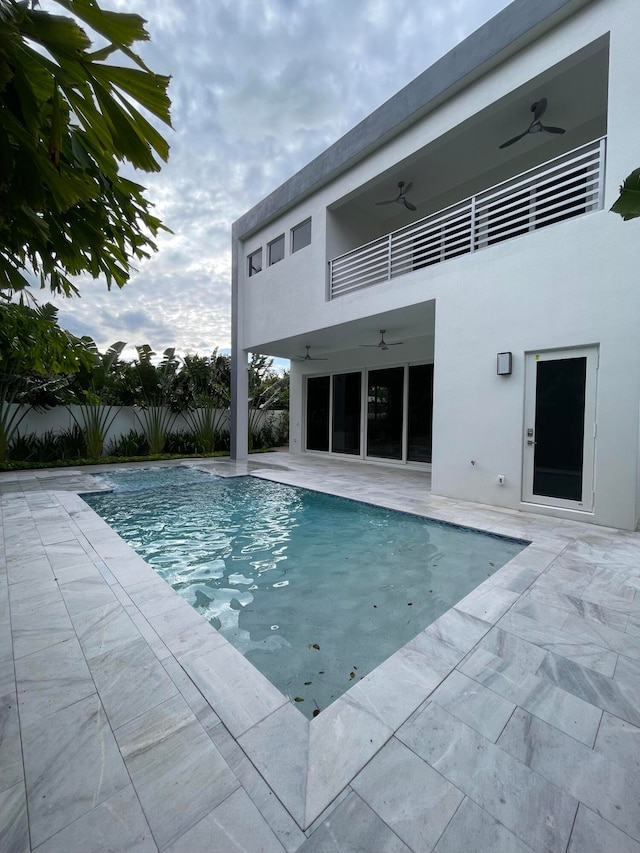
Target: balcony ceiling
[{"x": 468, "y": 158}]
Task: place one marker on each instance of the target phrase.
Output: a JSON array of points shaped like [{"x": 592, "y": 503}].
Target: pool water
[{"x": 315, "y": 590}]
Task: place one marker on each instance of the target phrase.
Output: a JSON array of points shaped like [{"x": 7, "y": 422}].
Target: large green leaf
[{"x": 628, "y": 203}]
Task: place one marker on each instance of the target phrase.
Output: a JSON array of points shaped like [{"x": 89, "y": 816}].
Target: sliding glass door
[{"x": 398, "y": 414}]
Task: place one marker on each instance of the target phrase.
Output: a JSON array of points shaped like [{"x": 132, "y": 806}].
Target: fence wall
[{"x": 60, "y": 418}]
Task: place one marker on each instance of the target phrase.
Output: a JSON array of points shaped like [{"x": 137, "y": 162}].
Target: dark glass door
[
  {"x": 559, "y": 428},
  {"x": 420, "y": 414},
  {"x": 385, "y": 392},
  {"x": 318, "y": 412},
  {"x": 346, "y": 413}
]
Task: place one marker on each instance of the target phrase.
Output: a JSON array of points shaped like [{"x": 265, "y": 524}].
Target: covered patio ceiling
[{"x": 469, "y": 157}]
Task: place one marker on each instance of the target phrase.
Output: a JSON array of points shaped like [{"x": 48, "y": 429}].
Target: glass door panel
[
  {"x": 318, "y": 412},
  {"x": 385, "y": 391},
  {"x": 346, "y": 413},
  {"x": 420, "y": 414}
]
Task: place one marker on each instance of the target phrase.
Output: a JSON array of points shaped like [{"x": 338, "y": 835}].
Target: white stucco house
[{"x": 503, "y": 293}]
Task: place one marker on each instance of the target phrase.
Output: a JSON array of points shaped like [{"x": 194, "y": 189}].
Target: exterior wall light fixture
[{"x": 504, "y": 363}]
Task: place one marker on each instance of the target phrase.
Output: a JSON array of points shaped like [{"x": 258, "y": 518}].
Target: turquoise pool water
[{"x": 315, "y": 590}]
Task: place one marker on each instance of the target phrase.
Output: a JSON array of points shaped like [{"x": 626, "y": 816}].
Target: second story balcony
[{"x": 567, "y": 186}]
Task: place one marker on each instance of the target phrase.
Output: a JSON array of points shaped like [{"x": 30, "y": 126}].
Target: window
[
  {"x": 276, "y": 250},
  {"x": 301, "y": 235},
  {"x": 255, "y": 262}
]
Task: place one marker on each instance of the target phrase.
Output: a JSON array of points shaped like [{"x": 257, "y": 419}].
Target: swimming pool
[{"x": 315, "y": 590}]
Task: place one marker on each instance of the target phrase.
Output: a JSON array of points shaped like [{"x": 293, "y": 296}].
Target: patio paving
[{"x": 127, "y": 723}]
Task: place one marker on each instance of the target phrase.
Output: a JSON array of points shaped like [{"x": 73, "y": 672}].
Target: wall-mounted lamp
[{"x": 504, "y": 363}]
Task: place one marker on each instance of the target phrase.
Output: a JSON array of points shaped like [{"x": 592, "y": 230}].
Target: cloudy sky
[{"x": 259, "y": 88}]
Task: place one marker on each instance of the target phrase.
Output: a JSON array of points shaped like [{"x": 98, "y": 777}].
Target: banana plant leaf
[{"x": 628, "y": 203}]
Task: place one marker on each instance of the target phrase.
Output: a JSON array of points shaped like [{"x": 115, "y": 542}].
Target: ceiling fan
[
  {"x": 382, "y": 344},
  {"x": 538, "y": 109},
  {"x": 400, "y": 198},
  {"x": 307, "y": 357}
]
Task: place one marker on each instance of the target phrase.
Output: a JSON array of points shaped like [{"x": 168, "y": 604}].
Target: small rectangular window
[
  {"x": 301, "y": 235},
  {"x": 276, "y": 250},
  {"x": 255, "y": 262}
]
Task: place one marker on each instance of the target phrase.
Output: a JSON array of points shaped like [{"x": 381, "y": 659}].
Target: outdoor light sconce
[{"x": 504, "y": 363}]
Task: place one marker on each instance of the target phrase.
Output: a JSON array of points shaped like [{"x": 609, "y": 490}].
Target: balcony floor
[{"x": 127, "y": 723}]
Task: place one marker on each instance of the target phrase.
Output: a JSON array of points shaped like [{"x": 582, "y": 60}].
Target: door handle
[{"x": 530, "y": 441}]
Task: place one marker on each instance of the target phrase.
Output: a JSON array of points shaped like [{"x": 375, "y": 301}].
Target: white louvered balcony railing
[{"x": 570, "y": 185}]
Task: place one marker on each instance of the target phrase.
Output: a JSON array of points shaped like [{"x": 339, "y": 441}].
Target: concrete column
[{"x": 239, "y": 373}]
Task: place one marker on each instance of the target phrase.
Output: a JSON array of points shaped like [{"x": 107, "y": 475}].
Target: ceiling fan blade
[
  {"x": 393, "y": 343},
  {"x": 552, "y": 129},
  {"x": 539, "y": 109},
  {"x": 369, "y": 345},
  {"x": 515, "y": 139},
  {"x": 408, "y": 205},
  {"x": 391, "y": 201},
  {"x": 407, "y": 188}
]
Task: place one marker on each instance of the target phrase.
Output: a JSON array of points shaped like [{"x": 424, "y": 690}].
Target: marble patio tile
[
  {"x": 236, "y": 825},
  {"x": 34, "y": 630},
  {"x": 32, "y": 595},
  {"x": 32, "y": 568},
  {"x": 610, "y": 638},
  {"x": 342, "y": 739},
  {"x": 72, "y": 764},
  {"x": 467, "y": 700},
  {"x": 545, "y": 614},
  {"x": 130, "y": 681},
  {"x": 487, "y": 603},
  {"x": 283, "y": 825},
  {"x": 613, "y": 584},
  {"x": 152, "y": 639},
  {"x": 459, "y": 630},
  {"x": 395, "y": 688},
  {"x": 81, "y": 571},
  {"x": 538, "y": 812},
  {"x": 104, "y": 629},
  {"x": 14, "y": 825},
  {"x": 11, "y": 770},
  {"x": 184, "y": 630},
  {"x": 238, "y": 693},
  {"x": 354, "y": 828},
  {"x": 580, "y": 607},
  {"x": 633, "y": 626},
  {"x": 86, "y": 593},
  {"x": 205, "y": 714},
  {"x": 562, "y": 709},
  {"x": 116, "y": 825},
  {"x": 52, "y": 679},
  {"x": 592, "y": 833},
  {"x": 130, "y": 570},
  {"x": 279, "y": 747},
  {"x": 586, "y": 774},
  {"x": 410, "y": 797},
  {"x": 154, "y": 596},
  {"x": 563, "y": 580},
  {"x": 473, "y": 830},
  {"x": 619, "y": 741},
  {"x": 520, "y": 652},
  {"x": 515, "y": 578},
  {"x": 432, "y": 646},
  {"x": 66, "y": 555},
  {"x": 177, "y": 772},
  {"x": 51, "y": 532},
  {"x": 592, "y": 687},
  {"x": 565, "y": 643},
  {"x": 534, "y": 557},
  {"x": 628, "y": 673}
]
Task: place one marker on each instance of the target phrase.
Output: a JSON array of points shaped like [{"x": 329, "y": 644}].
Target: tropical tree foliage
[
  {"x": 628, "y": 202},
  {"x": 72, "y": 114}
]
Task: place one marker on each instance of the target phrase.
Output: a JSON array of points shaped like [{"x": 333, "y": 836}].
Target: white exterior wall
[{"x": 571, "y": 284}]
